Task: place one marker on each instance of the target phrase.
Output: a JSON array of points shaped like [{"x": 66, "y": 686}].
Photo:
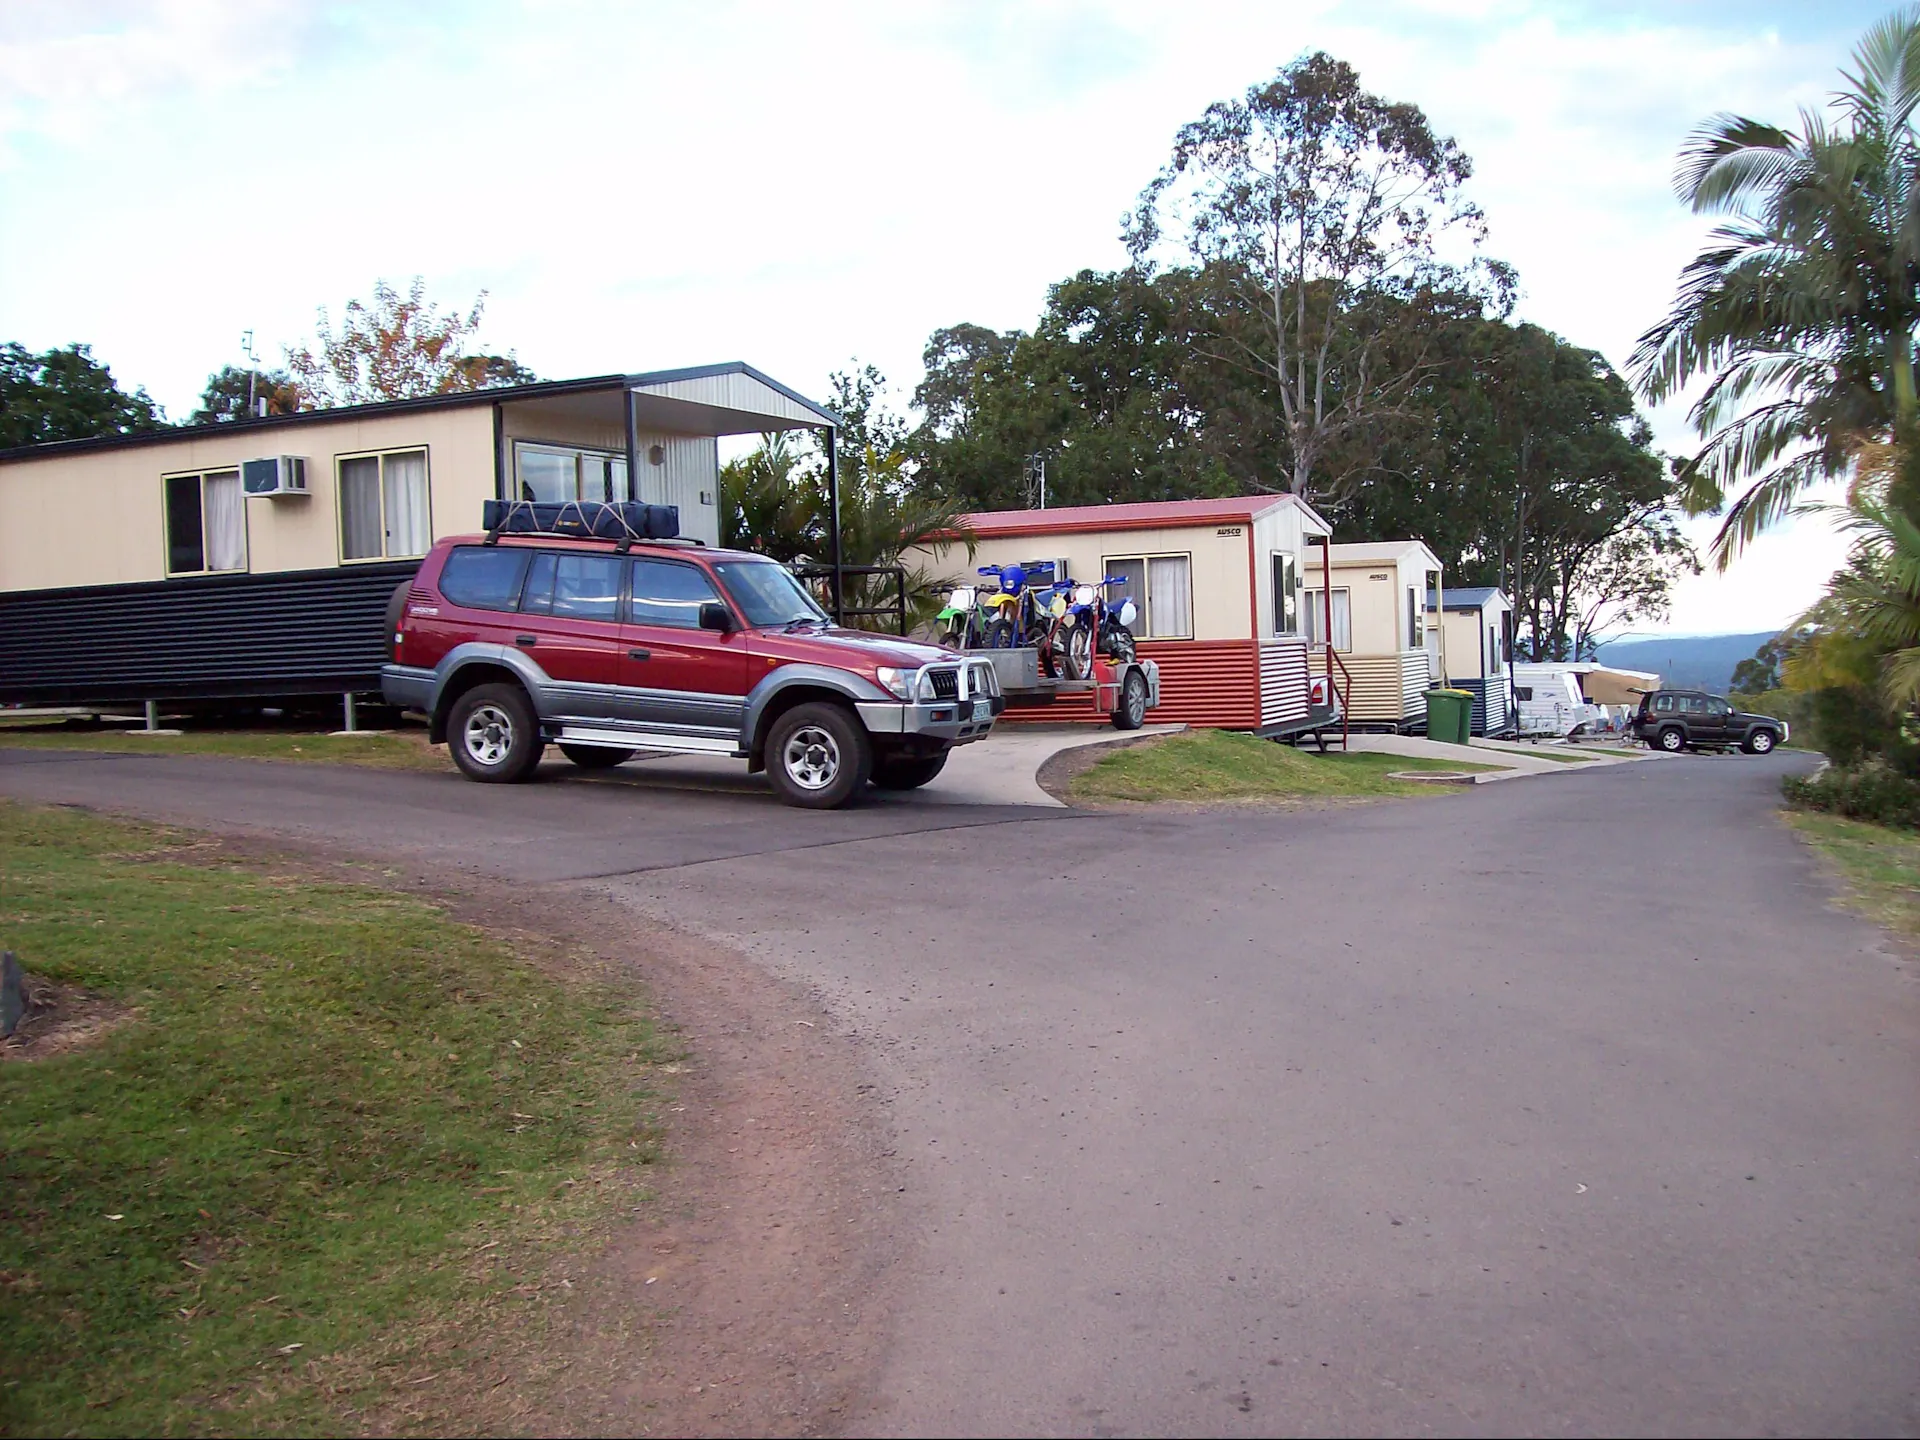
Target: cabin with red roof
[{"x": 1218, "y": 585}]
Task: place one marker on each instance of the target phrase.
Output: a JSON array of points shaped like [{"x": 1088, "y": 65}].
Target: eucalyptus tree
[
  {"x": 1800, "y": 311},
  {"x": 1315, "y": 214}
]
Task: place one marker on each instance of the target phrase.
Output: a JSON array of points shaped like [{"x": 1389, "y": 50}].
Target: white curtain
[
  {"x": 1316, "y": 618},
  {"x": 1169, "y": 596},
  {"x": 226, "y": 522},
  {"x": 406, "y": 503},
  {"x": 360, "y": 508}
]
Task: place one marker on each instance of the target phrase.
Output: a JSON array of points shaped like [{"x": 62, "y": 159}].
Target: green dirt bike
[{"x": 958, "y": 625}]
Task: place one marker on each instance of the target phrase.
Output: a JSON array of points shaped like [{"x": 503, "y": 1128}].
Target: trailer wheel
[
  {"x": 1130, "y": 712},
  {"x": 595, "y": 757}
]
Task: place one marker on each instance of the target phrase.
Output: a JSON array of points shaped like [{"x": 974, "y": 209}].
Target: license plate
[{"x": 982, "y": 709}]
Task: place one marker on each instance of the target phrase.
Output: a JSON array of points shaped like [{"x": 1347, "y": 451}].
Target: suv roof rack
[{"x": 622, "y": 521}]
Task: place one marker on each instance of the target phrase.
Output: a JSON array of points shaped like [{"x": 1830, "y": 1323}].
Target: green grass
[
  {"x": 1881, "y": 866},
  {"x": 1221, "y": 765},
  {"x": 337, "y": 1128},
  {"x": 407, "y": 750}
]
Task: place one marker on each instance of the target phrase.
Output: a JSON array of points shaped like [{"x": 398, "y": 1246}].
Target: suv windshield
[{"x": 766, "y": 593}]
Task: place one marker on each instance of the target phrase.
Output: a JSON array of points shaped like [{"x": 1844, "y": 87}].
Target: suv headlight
[{"x": 899, "y": 682}]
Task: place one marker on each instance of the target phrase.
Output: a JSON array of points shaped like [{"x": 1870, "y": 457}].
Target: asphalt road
[{"x": 1558, "y": 1106}]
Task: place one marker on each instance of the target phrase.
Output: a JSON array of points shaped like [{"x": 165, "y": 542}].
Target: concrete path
[
  {"x": 999, "y": 770},
  {"x": 1515, "y": 760},
  {"x": 1526, "y": 1109}
]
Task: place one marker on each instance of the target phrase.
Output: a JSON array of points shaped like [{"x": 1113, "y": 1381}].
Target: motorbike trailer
[{"x": 1121, "y": 690}]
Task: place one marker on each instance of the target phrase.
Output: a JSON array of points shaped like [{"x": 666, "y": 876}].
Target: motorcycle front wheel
[
  {"x": 999, "y": 635},
  {"x": 1079, "y": 652}
]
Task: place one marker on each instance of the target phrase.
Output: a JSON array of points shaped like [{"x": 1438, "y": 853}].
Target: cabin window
[
  {"x": 1286, "y": 594},
  {"x": 206, "y": 523},
  {"x": 383, "y": 506},
  {"x": 1161, "y": 586},
  {"x": 569, "y": 472},
  {"x": 1416, "y": 627},
  {"x": 1523, "y": 692},
  {"x": 1316, "y": 618}
]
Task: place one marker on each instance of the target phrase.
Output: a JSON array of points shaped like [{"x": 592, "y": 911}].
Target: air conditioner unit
[{"x": 275, "y": 475}]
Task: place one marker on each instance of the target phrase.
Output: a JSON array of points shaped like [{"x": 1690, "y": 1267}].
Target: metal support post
[
  {"x": 352, "y": 718},
  {"x": 153, "y": 714},
  {"x": 836, "y": 557},
  {"x": 633, "y": 445}
]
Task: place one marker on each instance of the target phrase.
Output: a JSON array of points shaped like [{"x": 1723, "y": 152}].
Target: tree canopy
[
  {"x": 65, "y": 394},
  {"x": 397, "y": 348},
  {"x": 1311, "y": 214}
]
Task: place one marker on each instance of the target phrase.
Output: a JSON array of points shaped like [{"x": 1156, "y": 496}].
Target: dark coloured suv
[
  {"x": 511, "y": 642},
  {"x": 1676, "y": 720}
]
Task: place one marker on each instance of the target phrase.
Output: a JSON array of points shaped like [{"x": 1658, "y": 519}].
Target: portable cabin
[
  {"x": 256, "y": 557},
  {"x": 1478, "y": 637},
  {"x": 1389, "y": 655},
  {"x": 1216, "y": 582}
]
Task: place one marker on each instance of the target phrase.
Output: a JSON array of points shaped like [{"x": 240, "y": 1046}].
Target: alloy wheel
[
  {"x": 812, "y": 757},
  {"x": 489, "y": 734}
]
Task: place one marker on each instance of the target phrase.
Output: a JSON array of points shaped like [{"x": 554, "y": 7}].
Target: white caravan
[{"x": 1550, "y": 702}]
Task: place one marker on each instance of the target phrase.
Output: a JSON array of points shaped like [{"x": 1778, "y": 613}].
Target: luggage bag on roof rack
[{"x": 600, "y": 520}]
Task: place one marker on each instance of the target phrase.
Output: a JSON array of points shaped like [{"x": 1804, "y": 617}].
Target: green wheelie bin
[{"x": 1450, "y": 716}]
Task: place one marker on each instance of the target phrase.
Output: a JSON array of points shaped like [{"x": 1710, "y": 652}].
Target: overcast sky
[{"x": 797, "y": 185}]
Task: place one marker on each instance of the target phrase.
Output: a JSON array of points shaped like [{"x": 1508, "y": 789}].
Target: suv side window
[
  {"x": 576, "y": 587},
  {"x": 1694, "y": 704},
  {"x": 483, "y": 578},
  {"x": 669, "y": 592}
]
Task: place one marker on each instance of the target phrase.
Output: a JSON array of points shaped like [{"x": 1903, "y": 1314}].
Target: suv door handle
[
  {"x": 526, "y": 641},
  {"x": 639, "y": 654}
]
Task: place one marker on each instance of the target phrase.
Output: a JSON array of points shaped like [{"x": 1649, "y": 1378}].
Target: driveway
[{"x": 1555, "y": 1108}]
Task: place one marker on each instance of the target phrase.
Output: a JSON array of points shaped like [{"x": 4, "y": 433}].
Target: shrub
[{"x": 1871, "y": 790}]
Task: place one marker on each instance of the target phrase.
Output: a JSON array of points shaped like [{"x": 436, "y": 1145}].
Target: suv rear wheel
[
  {"x": 493, "y": 734},
  {"x": 1758, "y": 743},
  {"x": 818, "y": 756},
  {"x": 1672, "y": 740},
  {"x": 907, "y": 772}
]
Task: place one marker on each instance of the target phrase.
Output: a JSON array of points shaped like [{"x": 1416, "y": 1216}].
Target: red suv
[{"x": 510, "y": 641}]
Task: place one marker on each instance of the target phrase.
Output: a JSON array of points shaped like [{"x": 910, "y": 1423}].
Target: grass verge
[
  {"x": 404, "y": 751},
  {"x": 1221, "y": 765},
  {"x": 335, "y": 1149},
  {"x": 1881, "y": 866}
]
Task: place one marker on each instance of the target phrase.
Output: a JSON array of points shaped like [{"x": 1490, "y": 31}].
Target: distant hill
[{"x": 1684, "y": 662}]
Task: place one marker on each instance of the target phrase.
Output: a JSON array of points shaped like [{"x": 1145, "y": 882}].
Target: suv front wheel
[
  {"x": 1759, "y": 742},
  {"x": 493, "y": 734},
  {"x": 818, "y": 755}
]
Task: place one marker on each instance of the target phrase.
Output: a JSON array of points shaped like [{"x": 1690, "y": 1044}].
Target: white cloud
[{"x": 658, "y": 185}]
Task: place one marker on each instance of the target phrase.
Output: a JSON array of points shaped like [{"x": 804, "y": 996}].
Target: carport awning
[
  {"x": 1617, "y": 687},
  {"x": 722, "y": 400}
]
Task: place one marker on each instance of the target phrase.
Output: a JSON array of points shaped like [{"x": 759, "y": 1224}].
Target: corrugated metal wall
[
  {"x": 1212, "y": 683},
  {"x": 293, "y": 633}
]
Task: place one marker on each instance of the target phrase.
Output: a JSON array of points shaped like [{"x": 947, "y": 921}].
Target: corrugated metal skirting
[
  {"x": 301, "y": 632},
  {"x": 1490, "y": 704},
  {"x": 1283, "y": 680}
]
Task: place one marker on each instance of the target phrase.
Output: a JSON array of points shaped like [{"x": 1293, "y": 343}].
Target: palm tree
[
  {"x": 1803, "y": 306},
  {"x": 1875, "y": 598}
]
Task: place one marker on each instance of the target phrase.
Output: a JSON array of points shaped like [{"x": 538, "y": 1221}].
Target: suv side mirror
[{"x": 714, "y": 615}]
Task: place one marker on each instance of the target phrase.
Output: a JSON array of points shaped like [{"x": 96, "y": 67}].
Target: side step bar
[{"x": 647, "y": 740}]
